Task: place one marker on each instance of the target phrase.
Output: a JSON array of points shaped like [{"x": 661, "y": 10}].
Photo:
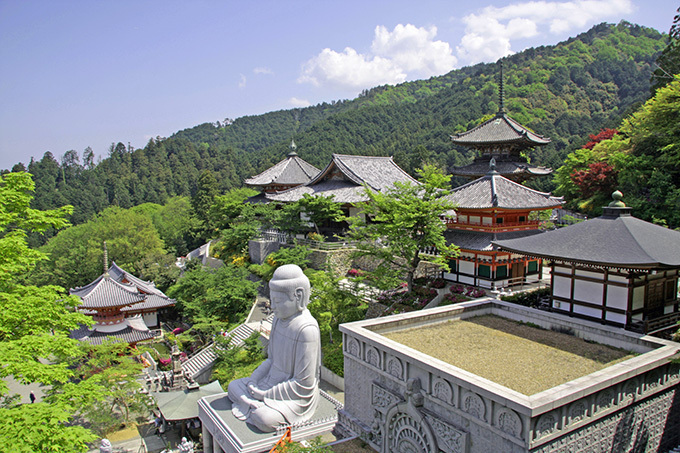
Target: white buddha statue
[{"x": 285, "y": 387}]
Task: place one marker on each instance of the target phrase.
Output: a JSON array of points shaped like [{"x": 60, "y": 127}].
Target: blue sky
[{"x": 77, "y": 73}]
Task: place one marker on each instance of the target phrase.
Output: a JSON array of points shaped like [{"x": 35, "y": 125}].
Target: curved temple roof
[
  {"x": 494, "y": 191},
  {"x": 616, "y": 239},
  {"x": 500, "y": 130},
  {"x": 345, "y": 176},
  {"x": 290, "y": 171}
]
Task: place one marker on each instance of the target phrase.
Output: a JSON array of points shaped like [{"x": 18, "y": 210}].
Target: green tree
[
  {"x": 401, "y": 222},
  {"x": 668, "y": 63},
  {"x": 34, "y": 326},
  {"x": 202, "y": 201},
  {"x": 77, "y": 252},
  {"x": 319, "y": 209},
  {"x": 224, "y": 294}
]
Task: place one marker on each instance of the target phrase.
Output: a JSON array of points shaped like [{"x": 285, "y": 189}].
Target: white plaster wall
[
  {"x": 466, "y": 267},
  {"x": 150, "y": 319},
  {"x": 587, "y": 311},
  {"x": 638, "y": 297},
  {"x": 597, "y": 275},
  {"x": 617, "y": 297},
  {"x": 562, "y": 287},
  {"x": 449, "y": 276},
  {"x": 615, "y": 317},
  {"x": 586, "y": 291},
  {"x": 354, "y": 212},
  {"x": 466, "y": 280},
  {"x": 486, "y": 220},
  {"x": 618, "y": 278}
]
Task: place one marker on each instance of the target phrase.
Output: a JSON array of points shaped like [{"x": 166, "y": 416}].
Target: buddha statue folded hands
[{"x": 285, "y": 387}]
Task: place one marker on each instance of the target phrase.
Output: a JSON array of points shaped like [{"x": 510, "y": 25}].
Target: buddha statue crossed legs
[{"x": 285, "y": 387}]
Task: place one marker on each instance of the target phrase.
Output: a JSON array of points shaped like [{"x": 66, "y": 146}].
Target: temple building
[
  {"x": 502, "y": 139},
  {"x": 290, "y": 172},
  {"x": 123, "y": 307},
  {"x": 615, "y": 269},
  {"x": 344, "y": 178},
  {"x": 488, "y": 209}
]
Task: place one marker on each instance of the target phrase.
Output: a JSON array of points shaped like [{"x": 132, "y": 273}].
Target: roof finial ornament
[
  {"x": 617, "y": 203},
  {"x": 501, "y": 90},
  {"x": 293, "y": 147},
  {"x": 106, "y": 260},
  {"x": 492, "y": 165}
]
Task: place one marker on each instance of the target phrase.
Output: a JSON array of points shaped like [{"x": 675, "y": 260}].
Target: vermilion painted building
[{"x": 488, "y": 209}]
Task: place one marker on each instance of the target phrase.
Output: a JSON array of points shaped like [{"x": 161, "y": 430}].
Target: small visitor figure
[
  {"x": 32, "y": 397},
  {"x": 285, "y": 387}
]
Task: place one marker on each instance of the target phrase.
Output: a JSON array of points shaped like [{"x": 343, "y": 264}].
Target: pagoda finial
[
  {"x": 501, "y": 90},
  {"x": 106, "y": 260},
  {"x": 617, "y": 203},
  {"x": 293, "y": 147}
]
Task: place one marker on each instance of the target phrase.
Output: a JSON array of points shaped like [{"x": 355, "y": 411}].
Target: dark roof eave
[{"x": 631, "y": 266}]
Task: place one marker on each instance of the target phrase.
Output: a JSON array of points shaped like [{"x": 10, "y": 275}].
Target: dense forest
[{"x": 565, "y": 92}]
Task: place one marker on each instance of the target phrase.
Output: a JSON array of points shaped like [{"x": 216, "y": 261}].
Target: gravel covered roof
[
  {"x": 500, "y": 130},
  {"x": 344, "y": 177},
  {"x": 495, "y": 191},
  {"x": 616, "y": 239},
  {"x": 291, "y": 170}
]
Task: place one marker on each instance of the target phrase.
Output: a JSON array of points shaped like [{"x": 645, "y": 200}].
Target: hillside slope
[{"x": 565, "y": 92}]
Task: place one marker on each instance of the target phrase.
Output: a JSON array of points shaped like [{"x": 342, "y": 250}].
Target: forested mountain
[{"x": 565, "y": 92}]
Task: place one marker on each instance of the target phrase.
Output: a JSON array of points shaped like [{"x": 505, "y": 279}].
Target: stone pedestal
[{"x": 231, "y": 435}]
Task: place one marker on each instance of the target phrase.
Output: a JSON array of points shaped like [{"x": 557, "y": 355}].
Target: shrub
[
  {"x": 449, "y": 299},
  {"x": 355, "y": 273}
]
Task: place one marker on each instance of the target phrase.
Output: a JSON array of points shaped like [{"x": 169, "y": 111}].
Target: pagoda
[
  {"x": 615, "y": 269},
  {"x": 503, "y": 139},
  {"x": 290, "y": 172},
  {"x": 122, "y": 306},
  {"x": 493, "y": 208}
]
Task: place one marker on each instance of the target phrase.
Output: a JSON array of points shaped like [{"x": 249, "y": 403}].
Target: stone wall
[
  {"x": 259, "y": 249},
  {"x": 389, "y": 386}
]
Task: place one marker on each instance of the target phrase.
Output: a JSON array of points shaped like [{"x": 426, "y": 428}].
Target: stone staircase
[{"x": 204, "y": 359}]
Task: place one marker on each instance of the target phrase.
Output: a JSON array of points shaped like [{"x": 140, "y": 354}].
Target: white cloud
[
  {"x": 489, "y": 33},
  {"x": 242, "y": 81},
  {"x": 295, "y": 102},
  {"x": 263, "y": 70},
  {"x": 414, "y": 49},
  {"x": 406, "y": 52}
]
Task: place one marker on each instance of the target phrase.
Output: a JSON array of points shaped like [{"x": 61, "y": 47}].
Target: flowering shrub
[
  {"x": 239, "y": 260},
  {"x": 457, "y": 289},
  {"x": 416, "y": 299},
  {"x": 177, "y": 330},
  {"x": 438, "y": 283},
  {"x": 469, "y": 291},
  {"x": 453, "y": 299},
  {"x": 355, "y": 272},
  {"x": 314, "y": 236}
]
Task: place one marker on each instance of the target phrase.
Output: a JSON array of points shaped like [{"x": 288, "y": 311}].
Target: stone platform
[{"x": 222, "y": 432}]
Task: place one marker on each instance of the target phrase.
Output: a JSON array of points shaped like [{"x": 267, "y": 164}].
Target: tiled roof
[
  {"x": 107, "y": 292},
  {"x": 152, "y": 301},
  {"x": 342, "y": 192},
  {"x": 504, "y": 167},
  {"x": 291, "y": 170},
  {"x": 94, "y": 337},
  {"x": 472, "y": 240},
  {"x": 616, "y": 239},
  {"x": 379, "y": 173},
  {"x": 120, "y": 275},
  {"x": 500, "y": 130},
  {"x": 494, "y": 191},
  {"x": 119, "y": 288}
]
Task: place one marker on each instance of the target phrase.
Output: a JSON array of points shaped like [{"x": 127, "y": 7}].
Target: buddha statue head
[{"x": 289, "y": 291}]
